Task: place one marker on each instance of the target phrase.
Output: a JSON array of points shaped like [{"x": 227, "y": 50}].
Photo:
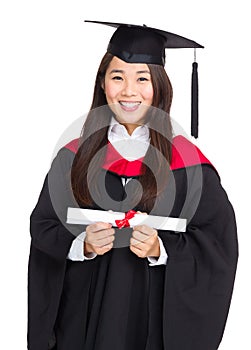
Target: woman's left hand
[{"x": 144, "y": 242}]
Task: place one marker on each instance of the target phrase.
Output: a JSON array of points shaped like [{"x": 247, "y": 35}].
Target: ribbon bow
[{"x": 125, "y": 222}]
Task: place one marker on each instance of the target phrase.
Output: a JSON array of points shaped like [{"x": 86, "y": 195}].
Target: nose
[{"x": 129, "y": 88}]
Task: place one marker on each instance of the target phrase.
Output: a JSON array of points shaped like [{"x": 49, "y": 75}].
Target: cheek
[
  {"x": 111, "y": 91},
  {"x": 109, "y": 94},
  {"x": 147, "y": 94}
]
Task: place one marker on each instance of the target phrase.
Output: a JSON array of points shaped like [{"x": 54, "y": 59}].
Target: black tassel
[{"x": 195, "y": 98}]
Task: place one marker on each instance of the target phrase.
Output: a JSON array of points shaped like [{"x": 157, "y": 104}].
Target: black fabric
[
  {"x": 195, "y": 101},
  {"x": 143, "y": 44},
  {"x": 117, "y": 301}
]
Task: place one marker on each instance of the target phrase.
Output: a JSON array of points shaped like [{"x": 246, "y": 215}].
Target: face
[{"x": 129, "y": 91}]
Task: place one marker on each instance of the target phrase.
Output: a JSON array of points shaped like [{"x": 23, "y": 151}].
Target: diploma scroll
[{"x": 89, "y": 216}]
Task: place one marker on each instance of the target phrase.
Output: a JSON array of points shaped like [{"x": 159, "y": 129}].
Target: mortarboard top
[{"x": 142, "y": 44}]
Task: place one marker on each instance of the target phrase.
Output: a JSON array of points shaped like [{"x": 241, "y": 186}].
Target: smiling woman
[
  {"x": 146, "y": 287},
  {"x": 157, "y": 90},
  {"x": 129, "y": 91}
]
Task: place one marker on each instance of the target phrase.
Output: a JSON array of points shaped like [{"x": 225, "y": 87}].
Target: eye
[
  {"x": 116, "y": 77},
  {"x": 143, "y": 79}
]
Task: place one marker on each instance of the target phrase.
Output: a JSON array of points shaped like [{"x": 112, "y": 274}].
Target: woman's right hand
[{"x": 99, "y": 238}]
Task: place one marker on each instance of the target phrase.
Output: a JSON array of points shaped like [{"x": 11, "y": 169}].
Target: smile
[{"x": 129, "y": 106}]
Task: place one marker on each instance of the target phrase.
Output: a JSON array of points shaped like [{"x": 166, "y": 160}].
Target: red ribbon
[{"x": 125, "y": 222}]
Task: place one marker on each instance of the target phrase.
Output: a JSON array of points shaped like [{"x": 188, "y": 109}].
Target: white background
[{"x": 48, "y": 62}]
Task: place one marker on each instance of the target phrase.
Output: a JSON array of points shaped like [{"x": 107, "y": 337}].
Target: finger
[
  {"x": 101, "y": 238},
  {"x": 138, "y": 244},
  {"x": 100, "y": 234},
  {"x": 98, "y": 226},
  {"x": 147, "y": 230},
  {"x": 104, "y": 249},
  {"x": 103, "y": 242},
  {"x": 140, "y": 253},
  {"x": 140, "y": 236},
  {"x": 144, "y": 244}
]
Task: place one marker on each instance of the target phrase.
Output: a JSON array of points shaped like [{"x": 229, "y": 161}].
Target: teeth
[{"x": 130, "y": 104}]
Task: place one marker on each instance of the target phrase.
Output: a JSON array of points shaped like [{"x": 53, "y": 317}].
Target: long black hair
[{"x": 94, "y": 138}]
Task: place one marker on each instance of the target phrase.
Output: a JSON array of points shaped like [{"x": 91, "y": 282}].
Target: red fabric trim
[
  {"x": 73, "y": 145},
  {"x": 117, "y": 164},
  {"x": 185, "y": 154}
]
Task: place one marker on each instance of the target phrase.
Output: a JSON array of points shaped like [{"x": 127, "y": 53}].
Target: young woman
[{"x": 96, "y": 287}]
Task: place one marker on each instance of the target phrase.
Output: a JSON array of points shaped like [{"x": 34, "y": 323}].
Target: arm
[
  {"x": 49, "y": 231},
  {"x": 146, "y": 243},
  {"x": 201, "y": 270},
  {"x": 76, "y": 252},
  {"x": 96, "y": 240},
  {"x": 162, "y": 259}
]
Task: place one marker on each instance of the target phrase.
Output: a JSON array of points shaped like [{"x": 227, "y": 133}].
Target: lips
[{"x": 129, "y": 106}]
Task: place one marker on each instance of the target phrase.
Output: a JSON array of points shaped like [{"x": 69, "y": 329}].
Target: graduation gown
[{"x": 117, "y": 301}]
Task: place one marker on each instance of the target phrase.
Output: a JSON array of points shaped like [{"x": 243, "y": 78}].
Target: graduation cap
[{"x": 141, "y": 44}]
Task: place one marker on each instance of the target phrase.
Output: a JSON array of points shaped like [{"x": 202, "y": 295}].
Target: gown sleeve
[
  {"x": 49, "y": 231},
  {"x": 48, "y": 234},
  {"x": 200, "y": 271},
  {"x": 51, "y": 240}
]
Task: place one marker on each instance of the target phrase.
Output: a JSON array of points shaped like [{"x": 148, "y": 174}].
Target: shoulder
[
  {"x": 73, "y": 145},
  {"x": 63, "y": 158},
  {"x": 69, "y": 150},
  {"x": 186, "y": 154}
]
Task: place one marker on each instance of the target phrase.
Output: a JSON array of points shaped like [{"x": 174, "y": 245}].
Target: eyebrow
[
  {"x": 143, "y": 71},
  {"x": 122, "y": 71}
]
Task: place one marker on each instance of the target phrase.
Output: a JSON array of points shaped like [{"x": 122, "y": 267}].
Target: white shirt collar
[
  {"x": 132, "y": 146},
  {"x": 119, "y": 130}
]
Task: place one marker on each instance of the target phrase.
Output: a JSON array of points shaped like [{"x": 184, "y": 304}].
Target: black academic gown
[{"x": 117, "y": 301}]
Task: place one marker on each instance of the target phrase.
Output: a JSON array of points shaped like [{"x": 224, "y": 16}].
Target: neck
[{"x": 130, "y": 127}]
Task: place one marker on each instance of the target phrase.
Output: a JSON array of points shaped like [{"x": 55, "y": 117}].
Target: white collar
[
  {"x": 119, "y": 130},
  {"x": 132, "y": 146}
]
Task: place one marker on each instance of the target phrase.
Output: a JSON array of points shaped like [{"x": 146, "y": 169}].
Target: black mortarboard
[{"x": 142, "y": 44}]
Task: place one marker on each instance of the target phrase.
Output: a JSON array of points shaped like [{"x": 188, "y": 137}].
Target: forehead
[{"x": 118, "y": 64}]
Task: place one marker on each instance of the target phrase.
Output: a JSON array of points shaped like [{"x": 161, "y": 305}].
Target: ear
[{"x": 103, "y": 85}]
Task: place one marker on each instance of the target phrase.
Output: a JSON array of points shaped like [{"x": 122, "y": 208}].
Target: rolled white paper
[{"x": 88, "y": 216}]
